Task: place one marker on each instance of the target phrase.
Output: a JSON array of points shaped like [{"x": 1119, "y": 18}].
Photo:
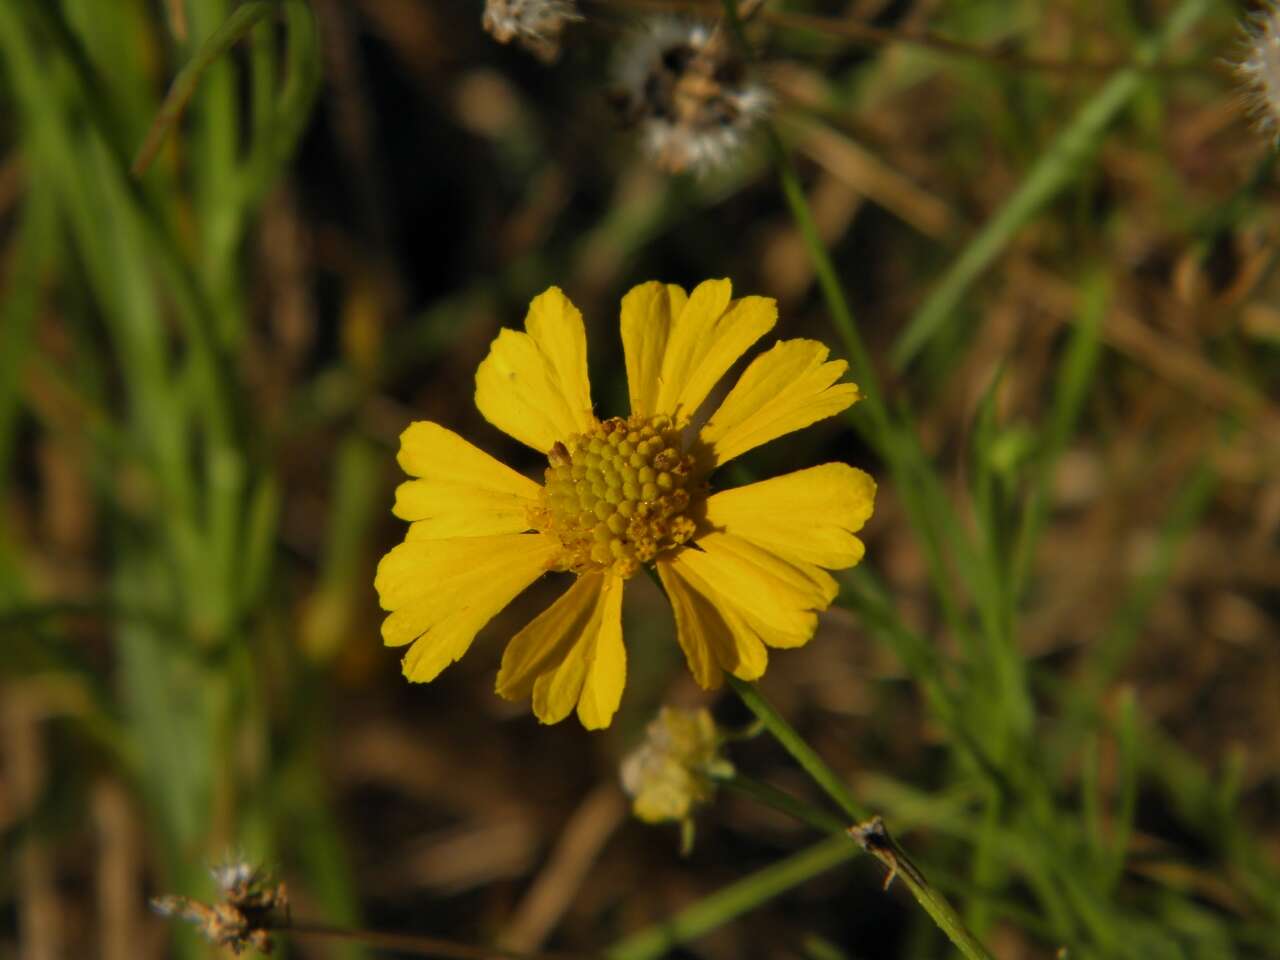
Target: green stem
[
  {"x": 887, "y": 434},
  {"x": 870, "y": 834},
  {"x": 1059, "y": 164},
  {"x": 780, "y": 800},
  {"x": 737, "y": 898},
  {"x": 875, "y": 839},
  {"x": 237, "y": 26},
  {"x": 795, "y": 745}
]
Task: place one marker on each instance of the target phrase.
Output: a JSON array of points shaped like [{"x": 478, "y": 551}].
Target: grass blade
[{"x": 1054, "y": 170}]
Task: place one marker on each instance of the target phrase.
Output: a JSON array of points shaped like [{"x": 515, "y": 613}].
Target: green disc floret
[{"x": 618, "y": 495}]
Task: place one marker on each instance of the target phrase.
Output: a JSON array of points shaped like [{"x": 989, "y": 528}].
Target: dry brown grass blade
[
  {"x": 862, "y": 170},
  {"x": 118, "y": 870},
  {"x": 580, "y": 843},
  {"x": 40, "y": 920}
]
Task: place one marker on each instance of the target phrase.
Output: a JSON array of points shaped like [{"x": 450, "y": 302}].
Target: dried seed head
[
  {"x": 250, "y": 909},
  {"x": 1259, "y": 69},
  {"x": 534, "y": 24},
  {"x": 691, "y": 97}
]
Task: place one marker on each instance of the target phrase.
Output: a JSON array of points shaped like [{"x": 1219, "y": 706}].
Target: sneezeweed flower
[
  {"x": 688, "y": 93},
  {"x": 674, "y": 770},
  {"x": 743, "y": 568},
  {"x": 534, "y": 24},
  {"x": 1259, "y": 69}
]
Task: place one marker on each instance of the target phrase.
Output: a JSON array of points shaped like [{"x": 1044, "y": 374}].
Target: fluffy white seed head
[
  {"x": 690, "y": 97},
  {"x": 1259, "y": 69},
  {"x": 534, "y": 24}
]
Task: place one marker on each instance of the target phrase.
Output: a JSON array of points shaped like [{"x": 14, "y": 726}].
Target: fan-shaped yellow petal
[
  {"x": 784, "y": 389},
  {"x": 534, "y": 385},
  {"x": 776, "y": 598},
  {"x": 463, "y": 492},
  {"x": 648, "y": 313},
  {"x": 442, "y": 592},
  {"x": 806, "y": 517},
  {"x": 571, "y": 655},
  {"x": 707, "y": 337},
  {"x": 711, "y": 634}
]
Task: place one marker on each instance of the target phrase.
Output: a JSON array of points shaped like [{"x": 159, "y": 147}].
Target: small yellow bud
[{"x": 673, "y": 772}]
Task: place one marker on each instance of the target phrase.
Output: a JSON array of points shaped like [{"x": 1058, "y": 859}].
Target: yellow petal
[
  {"x": 442, "y": 592},
  {"x": 606, "y": 675},
  {"x": 534, "y": 385},
  {"x": 463, "y": 492},
  {"x": 707, "y": 337},
  {"x": 711, "y": 634},
  {"x": 648, "y": 313},
  {"x": 545, "y": 641},
  {"x": 777, "y": 599},
  {"x": 785, "y": 389},
  {"x": 806, "y": 517},
  {"x": 571, "y": 655}
]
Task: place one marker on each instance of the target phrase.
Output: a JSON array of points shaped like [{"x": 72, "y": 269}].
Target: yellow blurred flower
[
  {"x": 743, "y": 568},
  {"x": 673, "y": 771}
]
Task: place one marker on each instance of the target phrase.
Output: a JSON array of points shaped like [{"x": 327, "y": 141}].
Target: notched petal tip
[
  {"x": 534, "y": 385},
  {"x": 786, "y": 388},
  {"x": 571, "y": 655}
]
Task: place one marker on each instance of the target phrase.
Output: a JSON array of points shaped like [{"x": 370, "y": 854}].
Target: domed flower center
[{"x": 618, "y": 495}]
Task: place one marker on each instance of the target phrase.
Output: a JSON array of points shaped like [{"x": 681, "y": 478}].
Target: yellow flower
[
  {"x": 743, "y": 568},
  {"x": 673, "y": 771}
]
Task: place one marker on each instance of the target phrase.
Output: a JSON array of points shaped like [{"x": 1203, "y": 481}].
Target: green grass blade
[
  {"x": 734, "y": 900},
  {"x": 800, "y": 751},
  {"x": 35, "y": 249},
  {"x": 1075, "y": 376},
  {"x": 274, "y": 144},
  {"x": 1057, "y": 167},
  {"x": 242, "y": 20}
]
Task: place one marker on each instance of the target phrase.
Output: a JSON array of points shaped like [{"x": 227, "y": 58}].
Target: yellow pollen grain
[{"x": 618, "y": 495}]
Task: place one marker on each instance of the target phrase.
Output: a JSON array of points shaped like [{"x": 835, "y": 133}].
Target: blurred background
[{"x": 1057, "y": 674}]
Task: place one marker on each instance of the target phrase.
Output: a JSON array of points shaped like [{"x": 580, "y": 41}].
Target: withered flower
[{"x": 689, "y": 94}]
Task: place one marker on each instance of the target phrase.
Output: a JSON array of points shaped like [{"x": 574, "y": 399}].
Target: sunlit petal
[
  {"x": 462, "y": 491},
  {"x": 440, "y": 593},
  {"x": 707, "y": 337},
  {"x": 534, "y": 385},
  {"x": 806, "y": 517},
  {"x": 784, "y": 389}
]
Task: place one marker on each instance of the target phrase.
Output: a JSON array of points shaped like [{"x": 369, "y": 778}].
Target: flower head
[
  {"x": 673, "y": 771},
  {"x": 744, "y": 569},
  {"x": 250, "y": 908},
  {"x": 1259, "y": 68},
  {"x": 689, "y": 95},
  {"x": 535, "y": 24}
]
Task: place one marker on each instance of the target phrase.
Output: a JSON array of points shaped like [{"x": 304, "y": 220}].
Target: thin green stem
[
  {"x": 782, "y": 801},
  {"x": 888, "y": 434},
  {"x": 875, "y": 839},
  {"x": 417, "y": 945},
  {"x": 794, "y": 744},
  {"x": 237, "y": 26},
  {"x": 734, "y": 900},
  {"x": 870, "y": 834},
  {"x": 1057, "y": 167}
]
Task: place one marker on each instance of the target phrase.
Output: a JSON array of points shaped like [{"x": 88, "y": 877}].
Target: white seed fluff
[
  {"x": 688, "y": 95},
  {"x": 535, "y": 24},
  {"x": 1259, "y": 69}
]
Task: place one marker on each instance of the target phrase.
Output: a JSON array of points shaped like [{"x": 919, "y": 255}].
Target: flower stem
[
  {"x": 870, "y": 834},
  {"x": 737, "y": 898},
  {"x": 419, "y": 945},
  {"x": 795, "y": 745},
  {"x": 780, "y": 800}
]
